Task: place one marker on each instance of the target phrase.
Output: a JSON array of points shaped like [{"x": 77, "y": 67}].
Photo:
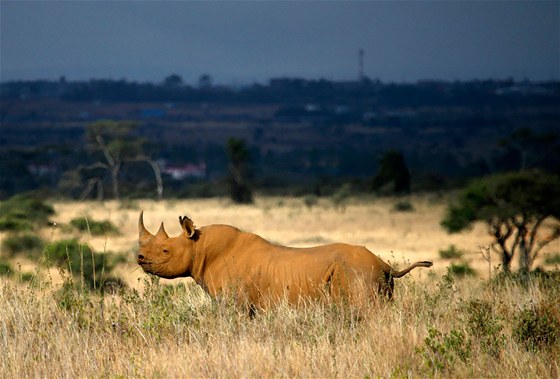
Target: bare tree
[
  {"x": 157, "y": 173},
  {"x": 117, "y": 144}
]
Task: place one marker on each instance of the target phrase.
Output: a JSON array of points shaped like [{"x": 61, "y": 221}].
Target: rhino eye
[{"x": 166, "y": 250}]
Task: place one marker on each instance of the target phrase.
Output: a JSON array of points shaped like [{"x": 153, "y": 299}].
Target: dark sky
[{"x": 243, "y": 42}]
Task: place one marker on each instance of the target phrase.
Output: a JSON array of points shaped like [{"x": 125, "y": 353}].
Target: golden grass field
[{"x": 436, "y": 326}]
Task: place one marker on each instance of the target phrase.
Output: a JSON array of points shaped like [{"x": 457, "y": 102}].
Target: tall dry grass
[
  {"x": 437, "y": 325},
  {"x": 453, "y": 329}
]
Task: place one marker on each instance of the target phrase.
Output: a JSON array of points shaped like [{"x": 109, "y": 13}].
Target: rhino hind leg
[{"x": 336, "y": 282}]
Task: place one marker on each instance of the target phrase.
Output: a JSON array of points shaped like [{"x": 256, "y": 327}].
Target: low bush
[
  {"x": 481, "y": 319},
  {"x": 403, "y": 206},
  {"x": 461, "y": 269},
  {"x": 96, "y": 228},
  {"x": 451, "y": 252},
  {"x": 553, "y": 259},
  {"x": 5, "y": 268},
  {"x": 538, "y": 325},
  {"x": 310, "y": 201},
  {"x": 24, "y": 212},
  {"x": 546, "y": 280},
  {"x": 442, "y": 350},
  {"x": 93, "y": 268},
  {"x": 14, "y": 224},
  {"x": 27, "y": 243}
]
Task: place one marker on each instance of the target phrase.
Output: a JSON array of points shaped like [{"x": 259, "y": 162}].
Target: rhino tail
[{"x": 398, "y": 274}]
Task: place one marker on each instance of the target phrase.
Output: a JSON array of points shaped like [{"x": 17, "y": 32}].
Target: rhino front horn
[{"x": 144, "y": 234}]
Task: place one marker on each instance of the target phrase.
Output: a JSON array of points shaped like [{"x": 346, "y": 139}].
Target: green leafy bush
[
  {"x": 548, "y": 281},
  {"x": 14, "y": 224},
  {"x": 24, "y": 212},
  {"x": 82, "y": 262},
  {"x": 451, "y": 252},
  {"x": 538, "y": 326},
  {"x": 461, "y": 269},
  {"x": 310, "y": 201},
  {"x": 441, "y": 351},
  {"x": 481, "y": 320},
  {"x": 552, "y": 259},
  {"x": 84, "y": 224},
  {"x": 403, "y": 206},
  {"x": 5, "y": 268},
  {"x": 27, "y": 243}
]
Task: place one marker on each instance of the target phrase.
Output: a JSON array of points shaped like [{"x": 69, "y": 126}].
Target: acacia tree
[
  {"x": 118, "y": 143},
  {"x": 520, "y": 209},
  {"x": 532, "y": 148}
]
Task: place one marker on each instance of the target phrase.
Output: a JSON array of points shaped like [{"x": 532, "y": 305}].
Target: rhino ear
[{"x": 187, "y": 225}]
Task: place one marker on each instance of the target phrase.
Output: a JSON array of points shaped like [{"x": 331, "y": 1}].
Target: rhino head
[{"x": 168, "y": 257}]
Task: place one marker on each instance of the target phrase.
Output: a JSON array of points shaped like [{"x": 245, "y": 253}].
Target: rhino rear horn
[{"x": 161, "y": 232}]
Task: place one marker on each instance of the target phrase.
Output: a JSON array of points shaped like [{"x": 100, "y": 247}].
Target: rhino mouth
[
  {"x": 143, "y": 261},
  {"x": 147, "y": 267}
]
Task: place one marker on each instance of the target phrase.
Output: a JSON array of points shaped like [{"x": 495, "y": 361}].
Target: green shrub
[
  {"x": 84, "y": 224},
  {"x": 29, "y": 244},
  {"x": 77, "y": 302},
  {"x": 5, "y": 268},
  {"x": 553, "y": 259},
  {"x": 403, "y": 206},
  {"x": 310, "y": 201},
  {"x": 461, "y": 269},
  {"x": 538, "y": 326},
  {"x": 548, "y": 281},
  {"x": 451, "y": 252},
  {"x": 29, "y": 277},
  {"x": 82, "y": 262},
  {"x": 483, "y": 323},
  {"x": 440, "y": 350},
  {"x": 23, "y": 212},
  {"x": 14, "y": 224},
  {"x": 166, "y": 308}
]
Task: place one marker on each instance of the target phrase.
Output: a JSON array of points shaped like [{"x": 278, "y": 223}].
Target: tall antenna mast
[{"x": 361, "y": 65}]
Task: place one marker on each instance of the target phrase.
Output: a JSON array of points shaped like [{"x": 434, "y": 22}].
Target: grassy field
[{"x": 439, "y": 325}]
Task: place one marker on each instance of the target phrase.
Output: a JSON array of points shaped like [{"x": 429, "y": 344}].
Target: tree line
[{"x": 495, "y": 93}]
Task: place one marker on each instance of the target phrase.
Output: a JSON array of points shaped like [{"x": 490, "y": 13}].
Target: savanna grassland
[{"x": 462, "y": 322}]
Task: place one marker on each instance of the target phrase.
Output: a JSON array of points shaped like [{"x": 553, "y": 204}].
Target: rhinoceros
[{"x": 223, "y": 259}]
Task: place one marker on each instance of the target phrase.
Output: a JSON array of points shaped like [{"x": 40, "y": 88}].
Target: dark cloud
[{"x": 253, "y": 41}]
